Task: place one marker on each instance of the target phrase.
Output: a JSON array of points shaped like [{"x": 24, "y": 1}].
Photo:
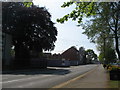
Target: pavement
[{"x": 97, "y": 78}]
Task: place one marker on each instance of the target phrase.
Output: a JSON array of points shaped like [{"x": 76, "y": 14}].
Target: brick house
[
  {"x": 76, "y": 57},
  {"x": 71, "y": 54},
  {"x": 70, "y": 57}
]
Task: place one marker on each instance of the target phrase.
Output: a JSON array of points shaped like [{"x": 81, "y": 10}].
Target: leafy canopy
[
  {"x": 104, "y": 19},
  {"x": 82, "y": 9},
  {"x": 91, "y": 55},
  {"x": 29, "y": 25}
]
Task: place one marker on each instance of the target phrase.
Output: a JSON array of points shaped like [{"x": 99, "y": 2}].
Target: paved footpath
[{"x": 97, "y": 78}]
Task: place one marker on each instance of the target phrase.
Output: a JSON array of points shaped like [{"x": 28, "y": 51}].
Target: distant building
[
  {"x": 70, "y": 57},
  {"x": 74, "y": 56}
]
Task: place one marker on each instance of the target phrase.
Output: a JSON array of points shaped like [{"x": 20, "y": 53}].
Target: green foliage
[
  {"x": 110, "y": 56},
  {"x": 31, "y": 29},
  {"x": 91, "y": 56},
  {"x": 28, "y": 4},
  {"x": 101, "y": 57},
  {"x": 113, "y": 83},
  {"x": 96, "y": 28},
  {"x": 103, "y": 20},
  {"x": 81, "y": 10},
  {"x": 32, "y": 26},
  {"x": 67, "y": 4}
]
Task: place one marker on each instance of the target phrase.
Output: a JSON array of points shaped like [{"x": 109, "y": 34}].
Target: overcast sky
[{"x": 68, "y": 33}]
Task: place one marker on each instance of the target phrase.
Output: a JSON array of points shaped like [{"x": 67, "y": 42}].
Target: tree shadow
[{"x": 51, "y": 71}]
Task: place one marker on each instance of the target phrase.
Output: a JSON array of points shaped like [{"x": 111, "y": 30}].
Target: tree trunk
[
  {"x": 117, "y": 45},
  {"x": 17, "y": 63},
  {"x": 22, "y": 56},
  {"x": 116, "y": 37}
]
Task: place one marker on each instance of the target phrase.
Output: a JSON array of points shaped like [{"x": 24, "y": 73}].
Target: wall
[
  {"x": 7, "y": 43},
  {"x": 0, "y": 51},
  {"x": 74, "y": 62},
  {"x": 38, "y": 63},
  {"x": 58, "y": 63}
]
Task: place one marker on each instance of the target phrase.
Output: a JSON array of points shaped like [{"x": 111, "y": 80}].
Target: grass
[{"x": 114, "y": 84}]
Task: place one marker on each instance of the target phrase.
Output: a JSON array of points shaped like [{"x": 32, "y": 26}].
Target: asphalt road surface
[{"x": 43, "y": 78}]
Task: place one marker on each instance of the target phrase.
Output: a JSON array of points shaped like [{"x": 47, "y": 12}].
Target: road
[{"x": 43, "y": 78}]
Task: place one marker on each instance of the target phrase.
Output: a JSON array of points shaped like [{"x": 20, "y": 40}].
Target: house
[
  {"x": 71, "y": 54},
  {"x": 76, "y": 57},
  {"x": 70, "y": 57}
]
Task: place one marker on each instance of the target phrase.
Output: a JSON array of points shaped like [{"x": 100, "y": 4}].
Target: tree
[
  {"x": 110, "y": 56},
  {"x": 104, "y": 25},
  {"x": 91, "y": 56},
  {"x": 98, "y": 33},
  {"x": 108, "y": 12},
  {"x": 101, "y": 57},
  {"x": 82, "y": 53},
  {"x": 31, "y": 28}
]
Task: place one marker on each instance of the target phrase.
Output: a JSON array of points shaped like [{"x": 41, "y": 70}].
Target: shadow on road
[{"x": 39, "y": 71}]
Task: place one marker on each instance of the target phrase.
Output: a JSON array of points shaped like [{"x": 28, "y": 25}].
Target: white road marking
[{"x": 19, "y": 80}]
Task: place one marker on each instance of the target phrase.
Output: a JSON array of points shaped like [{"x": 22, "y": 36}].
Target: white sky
[{"x": 68, "y": 33}]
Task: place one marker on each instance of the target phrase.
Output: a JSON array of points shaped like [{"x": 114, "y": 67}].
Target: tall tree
[
  {"x": 31, "y": 27},
  {"x": 110, "y": 56},
  {"x": 98, "y": 33},
  {"x": 108, "y": 11}
]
